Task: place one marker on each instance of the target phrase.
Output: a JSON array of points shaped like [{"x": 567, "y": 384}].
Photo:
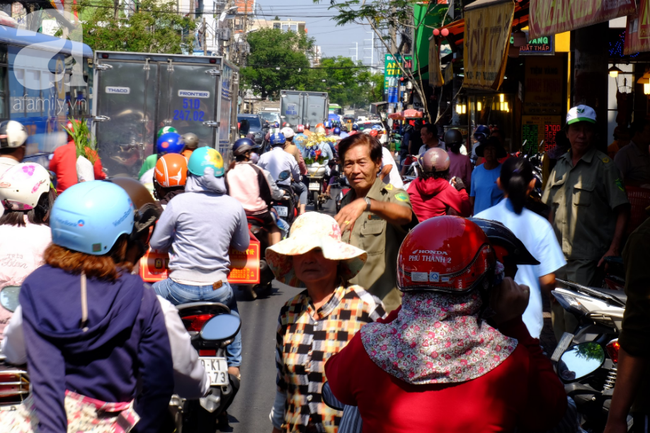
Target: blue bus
[{"x": 38, "y": 87}]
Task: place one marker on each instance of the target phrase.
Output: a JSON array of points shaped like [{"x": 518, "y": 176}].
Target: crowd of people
[{"x": 406, "y": 304}]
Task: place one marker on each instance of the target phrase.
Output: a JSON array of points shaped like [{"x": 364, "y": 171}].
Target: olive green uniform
[
  {"x": 381, "y": 241},
  {"x": 583, "y": 198},
  {"x": 635, "y": 335}
]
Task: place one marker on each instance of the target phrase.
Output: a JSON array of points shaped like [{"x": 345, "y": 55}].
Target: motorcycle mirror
[
  {"x": 284, "y": 175},
  {"x": 580, "y": 361},
  {"x": 9, "y": 297},
  {"x": 221, "y": 327}
]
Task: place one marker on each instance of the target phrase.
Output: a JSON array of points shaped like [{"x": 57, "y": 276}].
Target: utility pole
[
  {"x": 393, "y": 33},
  {"x": 204, "y": 42},
  {"x": 372, "y": 48},
  {"x": 356, "y": 51}
]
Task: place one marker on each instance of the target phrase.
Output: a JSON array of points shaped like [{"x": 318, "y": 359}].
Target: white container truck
[{"x": 301, "y": 108}]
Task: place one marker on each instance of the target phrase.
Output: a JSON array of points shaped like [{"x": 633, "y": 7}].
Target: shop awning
[
  {"x": 457, "y": 28},
  {"x": 558, "y": 16}
]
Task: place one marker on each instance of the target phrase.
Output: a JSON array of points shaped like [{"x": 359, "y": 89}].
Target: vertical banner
[
  {"x": 487, "y": 35},
  {"x": 551, "y": 17},
  {"x": 637, "y": 34},
  {"x": 435, "y": 72},
  {"x": 391, "y": 78}
]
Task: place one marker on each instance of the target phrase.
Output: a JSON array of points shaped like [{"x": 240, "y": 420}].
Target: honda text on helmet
[
  {"x": 89, "y": 217},
  {"x": 171, "y": 170},
  {"x": 445, "y": 254},
  {"x": 170, "y": 142},
  {"x": 22, "y": 186},
  {"x": 206, "y": 157},
  {"x": 12, "y": 134},
  {"x": 277, "y": 139}
]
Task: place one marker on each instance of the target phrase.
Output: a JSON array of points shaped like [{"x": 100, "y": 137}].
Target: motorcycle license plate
[
  {"x": 314, "y": 186},
  {"x": 217, "y": 370},
  {"x": 282, "y": 211}
]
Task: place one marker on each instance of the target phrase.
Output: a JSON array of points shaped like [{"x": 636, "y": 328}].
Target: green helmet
[{"x": 165, "y": 130}]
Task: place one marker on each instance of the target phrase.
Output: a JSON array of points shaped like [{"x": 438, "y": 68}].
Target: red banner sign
[
  {"x": 637, "y": 34},
  {"x": 551, "y": 17},
  {"x": 244, "y": 265}
]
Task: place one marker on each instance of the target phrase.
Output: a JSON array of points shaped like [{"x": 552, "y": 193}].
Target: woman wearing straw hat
[{"x": 318, "y": 322}]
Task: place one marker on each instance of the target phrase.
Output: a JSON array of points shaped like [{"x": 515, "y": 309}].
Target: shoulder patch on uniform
[
  {"x": 402, "y": 196},
  {"x": 389, "y": 187},
  {"x": 619, "y": 184},
  {"x": 606, "y": 159}
]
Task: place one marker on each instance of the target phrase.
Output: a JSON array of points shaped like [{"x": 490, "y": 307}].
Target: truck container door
[
  {"x": 291, "y": 108},
  {"x": 188, "y": 99},
  {"x": 125, "y": 114},
  {"x": 316, "y": 108}
]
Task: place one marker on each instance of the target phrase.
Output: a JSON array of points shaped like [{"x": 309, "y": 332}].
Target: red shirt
[
  {"x": 431, "y": 198},
  {"x": 521, "y": 392},
  {"x": 64, "y": 164}
]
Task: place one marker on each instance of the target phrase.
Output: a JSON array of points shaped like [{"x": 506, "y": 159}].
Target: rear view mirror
[
  {"x": 221, "y": 327},
  {"x": 9, "y": 297},
  {"x": 580, "y": 361}
]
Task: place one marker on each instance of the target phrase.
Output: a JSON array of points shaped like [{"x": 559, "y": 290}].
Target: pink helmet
[
  {"x": 435, "y": 160},
  {"x": 300, "y": 128}
]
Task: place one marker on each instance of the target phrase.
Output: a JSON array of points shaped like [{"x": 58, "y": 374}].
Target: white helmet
[
  {"x": 288, "y": 132},
  {"x": 22, "y": 186},
  {"x": 12, "y": 134}
]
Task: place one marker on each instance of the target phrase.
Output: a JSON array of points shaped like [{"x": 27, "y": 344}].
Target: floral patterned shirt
[{"x": 306, "y": 339}]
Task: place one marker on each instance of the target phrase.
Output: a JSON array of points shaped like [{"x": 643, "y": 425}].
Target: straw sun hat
[{"x": 310, "y": 231}]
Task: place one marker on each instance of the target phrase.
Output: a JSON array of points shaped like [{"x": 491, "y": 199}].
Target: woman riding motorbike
[
  {"x": 437, "y": 351},
  {"x": 318, "y": 322},
  {"x": 26, "y": 195},
  {"x": 94, "y": 333}
]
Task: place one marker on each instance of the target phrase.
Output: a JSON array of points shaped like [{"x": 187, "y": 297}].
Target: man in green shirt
[
  {"x": 589, "y": 208},
  {"x": 374, "y": 216}
]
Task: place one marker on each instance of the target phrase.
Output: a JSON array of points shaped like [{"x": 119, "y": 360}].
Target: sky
[{"x": 334, "y": 40}]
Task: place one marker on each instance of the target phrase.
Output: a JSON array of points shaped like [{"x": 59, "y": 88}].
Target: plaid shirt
[{"x": 305, "y": 341}]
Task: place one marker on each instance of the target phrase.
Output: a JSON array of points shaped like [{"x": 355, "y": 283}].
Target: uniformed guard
[
  {"x": 589, "y": 206},
  {"x": 375, "y": 216}
]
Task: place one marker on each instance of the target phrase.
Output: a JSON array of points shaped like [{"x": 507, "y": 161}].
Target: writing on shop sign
[{"x": 191, "y": 111}]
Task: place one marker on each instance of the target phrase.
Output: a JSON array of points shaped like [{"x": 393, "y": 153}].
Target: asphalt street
[{"x": 249, "y": 412}]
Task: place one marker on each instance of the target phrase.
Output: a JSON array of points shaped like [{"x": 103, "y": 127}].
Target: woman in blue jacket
[{"x": 94, "y": 334}]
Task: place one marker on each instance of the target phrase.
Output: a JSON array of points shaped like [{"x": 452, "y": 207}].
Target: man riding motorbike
[
  {"x": 198, "y": 228},
  {"x": 256, "y": 196},
  {"x": 276, "y": 161}
]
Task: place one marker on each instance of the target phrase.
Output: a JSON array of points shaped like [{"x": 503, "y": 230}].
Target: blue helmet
[
  {"x": 482, "y": 131},
  {"x": 337, "y": 131},
  {"x": 242, "y": 146},
  {"x": 89, "y": 217},
  {"x": 278, "y": 139},
  {"x": 355, "y": 127},
  {"x": 170, "y": 142}
]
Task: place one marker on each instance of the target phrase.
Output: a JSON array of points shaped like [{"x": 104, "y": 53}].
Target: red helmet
[
  {"x": 300, "y": 128},
  {"x": 374, "y": 133},
  {"x": 445, "y": 254}
]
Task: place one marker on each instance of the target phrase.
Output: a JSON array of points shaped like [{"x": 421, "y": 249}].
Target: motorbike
[
  {"x": 586, "y": 362},
  {"x": 344, "y": 189},
  {"x": 211, "y": 328},
  {"x": 14, "y": 380},
  {"x": 287, "y": 207},
  {"x": 316, "y": 175},
  {"x": 264, "y": 287}
]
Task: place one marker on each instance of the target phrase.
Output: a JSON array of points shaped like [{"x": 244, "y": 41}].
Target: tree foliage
[
  {"x": 277, "y": 61},
  {"x": 155, "y": 27},
  {"x": 348, "y": 83}
]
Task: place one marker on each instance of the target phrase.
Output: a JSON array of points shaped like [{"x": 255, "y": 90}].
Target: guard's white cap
[{"x": 581, "y": 113}]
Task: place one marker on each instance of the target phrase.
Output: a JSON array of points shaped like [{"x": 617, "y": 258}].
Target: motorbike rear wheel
[{"x": 317, "y": 204}]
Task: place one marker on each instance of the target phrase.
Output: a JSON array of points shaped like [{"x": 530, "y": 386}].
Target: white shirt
[
  {"x": 190, "y": 380},
  {"x": 539, "y": 239},
  {"x": 424, "y": 148},
  {"x": 393, "y": 177},
  {"x": 276, "y": 161}
]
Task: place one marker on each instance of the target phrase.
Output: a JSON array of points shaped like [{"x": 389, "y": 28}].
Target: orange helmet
[
  {"x": 171, "y": 170},
  {"x": 374, "y": 133},
  {"x": 320, "y": 125}
]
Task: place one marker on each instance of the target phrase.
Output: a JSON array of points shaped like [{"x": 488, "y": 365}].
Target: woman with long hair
[{"x": 516, "y": 180}]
